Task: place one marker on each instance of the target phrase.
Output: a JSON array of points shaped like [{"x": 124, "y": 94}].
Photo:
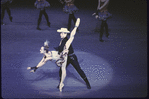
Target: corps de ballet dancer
[
  {"x": 42, "y": 4},
  {"x": 102, "y": 14},
  {"x": 59, "y": 58},
  {"x": 70, "y": 9},
  {"x": 5, "y": 6}
]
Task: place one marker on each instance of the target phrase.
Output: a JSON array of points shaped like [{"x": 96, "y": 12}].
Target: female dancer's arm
[
  {"x": 40, "y": 64},
  {"x": 43, "y": 61}
]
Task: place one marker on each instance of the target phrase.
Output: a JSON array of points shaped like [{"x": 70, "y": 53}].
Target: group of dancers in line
[
  {"x": 101, "y": 14},
  {"x": 64, "y": 54}
]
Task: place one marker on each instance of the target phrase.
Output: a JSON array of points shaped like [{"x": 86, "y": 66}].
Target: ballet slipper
[{"x": 61, "y": 86}]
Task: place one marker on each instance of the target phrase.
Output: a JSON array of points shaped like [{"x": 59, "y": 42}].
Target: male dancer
[
  {"x": 72, "y": 58},
  {"x": 42, "y": 4}
]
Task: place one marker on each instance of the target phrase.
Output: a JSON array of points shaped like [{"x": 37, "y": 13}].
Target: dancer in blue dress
[
  {"x": 103, "y": 14},
  {"x": 42, "y": 4},
  {"x": 70, "y": 9},
  {"x": 5, "y": 6}
]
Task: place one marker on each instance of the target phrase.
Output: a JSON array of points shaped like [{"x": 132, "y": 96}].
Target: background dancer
[
  {"x": 5, "y": 6},
  {"x": 42, "y": 4},
  {"x": 70, "y": 9},
  {"x": 103, "y": 14},
  {"x": 72, "y": 58}
]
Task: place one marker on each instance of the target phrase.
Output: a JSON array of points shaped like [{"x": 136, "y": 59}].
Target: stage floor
[{"x": 116, "y": 68}]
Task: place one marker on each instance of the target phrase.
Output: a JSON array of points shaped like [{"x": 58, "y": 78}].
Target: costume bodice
[{"x": 55, "y": 55}]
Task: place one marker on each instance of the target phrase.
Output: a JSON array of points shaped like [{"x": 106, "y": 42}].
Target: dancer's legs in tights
[
  {"x": 39, "y": 19},
  {"x": 46, "y": 16},
  {"x": 3, "y": 12},
  {"x": 69, "y": 21},
  {"x": 71, "y": 17},
  {"x": 5, "y": 7},
  {"x": 106, "y": 28},
  {"x": 9, "y": 13},
  {"x": 103, "y": 24},
  {"x": 101, "y": 30},
  {"x": 74, "y": 18}
]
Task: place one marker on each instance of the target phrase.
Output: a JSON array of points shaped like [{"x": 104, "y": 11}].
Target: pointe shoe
[
  {"x": 77, "y": 22},
  {"x": 61, "y": 86}
]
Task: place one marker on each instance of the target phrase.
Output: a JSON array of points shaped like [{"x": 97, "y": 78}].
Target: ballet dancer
[
  {"x": 102, "y": 14},
  {"x": 42, "y": 4},
  {"x": 59, "y": 58},
  {"x": 70, "y": 9},
  {"x": 5, "y": 6}
]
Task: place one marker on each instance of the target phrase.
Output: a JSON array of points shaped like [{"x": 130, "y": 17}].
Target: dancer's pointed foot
[{"x": 61, "y": 87}]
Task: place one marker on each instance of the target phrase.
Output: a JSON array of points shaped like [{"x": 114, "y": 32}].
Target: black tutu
[
  {"x": 104, "y": 15},
  {"x": 70, "y": 9},
  {"x": 42, "y": 4}
]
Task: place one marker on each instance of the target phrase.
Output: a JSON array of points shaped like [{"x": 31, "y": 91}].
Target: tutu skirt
[
  {"x": 4, "y": 1},
  {"x": 42, "y": 5},
  {"x": 104, "y": 15},
  {"x": 70, "y": 9}
]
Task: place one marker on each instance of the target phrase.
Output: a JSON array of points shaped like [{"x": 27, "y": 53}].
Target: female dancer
[
  {"x": 5, "y": 4},
  {"x": 103, "y": 14},
  {"x": 42, "y": 4},
  {"x": 70, "y": 9},
  {"x": 61, "y": 59}
]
